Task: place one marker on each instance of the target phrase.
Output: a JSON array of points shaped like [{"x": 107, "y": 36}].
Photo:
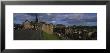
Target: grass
[{"x": 50, "y": 36}]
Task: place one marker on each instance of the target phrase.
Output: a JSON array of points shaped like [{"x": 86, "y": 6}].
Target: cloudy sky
[{"x": 89, "y": 19}]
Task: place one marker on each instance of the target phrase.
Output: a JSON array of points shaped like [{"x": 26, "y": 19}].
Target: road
[{"x": 27, "y": 35}]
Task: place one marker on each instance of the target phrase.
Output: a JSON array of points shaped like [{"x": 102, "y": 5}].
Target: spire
[{"x": 36, "y": 19}]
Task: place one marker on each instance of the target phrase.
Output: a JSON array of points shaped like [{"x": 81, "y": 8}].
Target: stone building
[
  {"x": 27, "y": 25},
  {"x": 31, "y": 24},
  {"x": 41, "y": 26},
  {"x": 48, "y": 28}
]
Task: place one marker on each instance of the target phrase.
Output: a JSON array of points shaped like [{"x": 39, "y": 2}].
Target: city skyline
[{"x": 68, "y": 19}]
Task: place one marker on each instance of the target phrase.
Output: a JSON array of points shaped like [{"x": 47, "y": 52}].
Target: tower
[{"x": 36, "y": 19}]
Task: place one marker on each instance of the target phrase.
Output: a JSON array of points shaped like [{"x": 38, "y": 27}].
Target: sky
[{"x": 68, "y": 19}]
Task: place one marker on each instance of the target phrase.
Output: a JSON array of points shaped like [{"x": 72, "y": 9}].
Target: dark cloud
[
  {"x": 21, "y": 17},
  {"x": 62, "y": 18}
]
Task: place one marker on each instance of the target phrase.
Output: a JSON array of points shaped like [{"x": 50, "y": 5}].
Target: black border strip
[
  {"x": 56, "y": 51},
  {"x": 2, "y": 26},
  {"x": 55, "y": 2},
  {"x": 52, "y": 3},
  {"x": 108, "y": 26}
]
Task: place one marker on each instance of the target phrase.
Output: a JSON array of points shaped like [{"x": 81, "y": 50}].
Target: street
[{"x": 27, "y": 35}]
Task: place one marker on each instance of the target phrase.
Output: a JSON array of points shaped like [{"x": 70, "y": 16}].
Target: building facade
[
  {"x": 48, "y": 28},
  {"x": 27, "y": 25}
]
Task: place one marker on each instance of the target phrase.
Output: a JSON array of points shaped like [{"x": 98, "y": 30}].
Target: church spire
[{"x": 36, "y": 19}]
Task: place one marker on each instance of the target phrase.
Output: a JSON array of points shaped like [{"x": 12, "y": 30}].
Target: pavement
[{"x": 27, "y": 35}]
